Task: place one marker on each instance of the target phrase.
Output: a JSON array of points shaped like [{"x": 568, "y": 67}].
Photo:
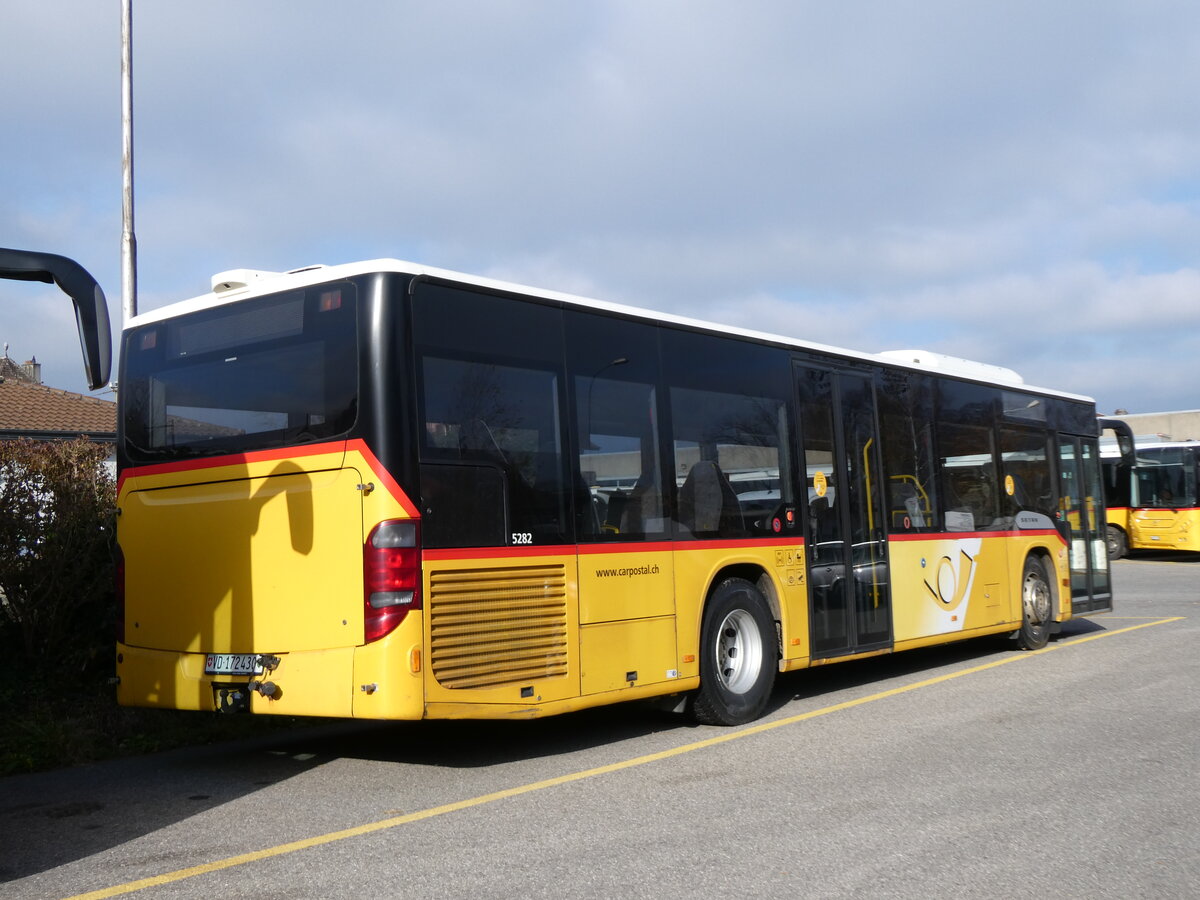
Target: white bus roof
[{"x": 240, "y": 284}]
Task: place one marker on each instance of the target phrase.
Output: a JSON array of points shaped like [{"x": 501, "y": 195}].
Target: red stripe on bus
[
  {"x": 498, "y": 552},
  {"x": 624, "y": 547},
  {"x": 736, "y": 543},
  {"x": 389, "y": 483},
  {"x": 606, "y": 549},
  {"x": 679, "y": 546},
  {"x": 259, "y": 456},
  {"x": 958, "y": 535},
  {"x": 232, "y": 459}
]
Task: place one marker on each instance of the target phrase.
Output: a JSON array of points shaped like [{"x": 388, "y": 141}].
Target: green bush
[
  {"x": 57, "y": 545},
  {"x": 58, "y": 617}
]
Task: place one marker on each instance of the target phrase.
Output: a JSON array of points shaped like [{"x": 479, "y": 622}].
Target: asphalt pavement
[{"x": 968, "y": 770}]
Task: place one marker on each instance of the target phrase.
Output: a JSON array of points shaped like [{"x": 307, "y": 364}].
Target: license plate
[{"x": 232, "y": 664}]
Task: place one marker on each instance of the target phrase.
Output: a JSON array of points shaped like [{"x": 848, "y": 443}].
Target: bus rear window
[{"x": 259, "y": 373}]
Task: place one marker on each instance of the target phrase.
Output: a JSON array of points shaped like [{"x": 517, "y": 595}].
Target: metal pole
[{"x": 128, "y": 241}]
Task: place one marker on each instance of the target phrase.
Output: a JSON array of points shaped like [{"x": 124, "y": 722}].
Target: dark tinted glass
[
  {"x": 731, "y": 366},
  {"x": 1024, "y": 407},
  {"x": 486, "y": 326},
  {"x": 618, "y": 486},
  {"x": 249, "y": 375},
  {"x": 621, "y": 495},
  {"x": 448, "y": 521},
  {"x": 968, "y": 404},
  {"x": 831, "y": 626},
  {"x": 910, "y": 468},
  {"x": 1028, "y": 477},
  {"x": 1071, "y": 416},
  {"x": 1094, "y": 515},
  {"x": 1116, "y": 483},
  {"x": 1166, "y": 477},
  {"x": 969, "y": 486},
  {"x": 499, "y": 416},
  {"x": 731, "y": 462}
]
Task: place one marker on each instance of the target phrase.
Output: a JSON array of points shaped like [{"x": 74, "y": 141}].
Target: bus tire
[
  {"x": 1037, "y": 602},
  {"x": 1115, "y": 538},
  {"x": 738, "y": 655}
]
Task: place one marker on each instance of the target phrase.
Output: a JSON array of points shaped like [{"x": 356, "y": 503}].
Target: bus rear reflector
[{"x": 392, "y": 576}]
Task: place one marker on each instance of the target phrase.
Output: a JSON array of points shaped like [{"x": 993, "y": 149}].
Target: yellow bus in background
[
  {"x": 1153, "y": 504},
  {"x": 388, "y": 491}
]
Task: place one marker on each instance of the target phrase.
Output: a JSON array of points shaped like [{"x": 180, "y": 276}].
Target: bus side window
[
  {"x": 614, "y": 371},
  {"x": 969, "y": 493},
  {"x": 730, "y": 463},
  {"x": 1026, "y": 457},
  {"x": 618, "y": 460},
  {"x": 500, "y": 425},
  {"x": 906, "y": 418}
]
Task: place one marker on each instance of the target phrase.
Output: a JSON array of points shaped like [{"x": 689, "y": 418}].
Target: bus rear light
[{"x": 391, "y": 576}]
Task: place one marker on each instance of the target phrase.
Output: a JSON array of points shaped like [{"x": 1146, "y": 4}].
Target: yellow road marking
[{"x": 393, "y": 822}]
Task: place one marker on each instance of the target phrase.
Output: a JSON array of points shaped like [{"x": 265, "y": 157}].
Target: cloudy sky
[{"x": 1017, "y": 183}]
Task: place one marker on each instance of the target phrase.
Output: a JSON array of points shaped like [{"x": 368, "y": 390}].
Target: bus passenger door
[
  {"x": 1081, "y": 517},
  {"x": 846, "y": 558}
]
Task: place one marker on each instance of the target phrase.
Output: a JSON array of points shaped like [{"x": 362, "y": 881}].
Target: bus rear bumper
[{"x": 374, "y": 681}]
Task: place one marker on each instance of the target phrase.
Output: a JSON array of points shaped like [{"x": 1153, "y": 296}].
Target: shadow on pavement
[
  {"x": 53, "y": 818},
  {"x": 1186, "y": 557}
]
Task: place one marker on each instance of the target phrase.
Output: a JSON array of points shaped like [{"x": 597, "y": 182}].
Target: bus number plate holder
[{"x": 232, "y": 664}]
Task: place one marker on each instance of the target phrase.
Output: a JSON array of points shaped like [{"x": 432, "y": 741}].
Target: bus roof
[{"x": 241, "y": 284}]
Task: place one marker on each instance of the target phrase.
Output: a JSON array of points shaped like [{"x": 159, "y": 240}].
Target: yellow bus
[
  {"x": 383, "y": 490},
  {"x": 1152, "y": 504}
]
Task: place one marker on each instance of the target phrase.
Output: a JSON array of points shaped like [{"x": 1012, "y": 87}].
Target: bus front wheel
[
  {"x": 1116, "y": 542},
  {"x": 1037, "y": 602},
  {"x": 739, "y": 657}
]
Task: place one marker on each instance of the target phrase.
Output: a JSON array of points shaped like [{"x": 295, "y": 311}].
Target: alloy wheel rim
[{"x": 738, "y": 651}]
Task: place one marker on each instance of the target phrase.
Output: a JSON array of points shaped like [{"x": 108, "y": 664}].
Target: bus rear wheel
[
  {"x": 739, "y": 657},
  {"x": 1037, "y": 601},
  {"x": 1116, "y": 542}
]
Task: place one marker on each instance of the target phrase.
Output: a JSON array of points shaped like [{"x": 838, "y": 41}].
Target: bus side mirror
[
  {"x": 91, "y": 309},
  {"x": 1123, "y": 434}
]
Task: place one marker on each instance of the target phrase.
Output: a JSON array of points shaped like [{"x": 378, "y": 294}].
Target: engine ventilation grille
[{"x": 492, "y": 627}]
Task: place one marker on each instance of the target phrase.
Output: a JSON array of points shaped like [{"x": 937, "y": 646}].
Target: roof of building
[
  {"x": 39, "y": 411},
  {"x": 9, "y": 368}
]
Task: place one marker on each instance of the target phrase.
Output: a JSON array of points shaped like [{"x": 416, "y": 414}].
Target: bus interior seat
[
  {"x": 901, "y": 493},
  {"x": 617, "y": 501},
  {"x": 640, "y": 504},
  {"x": 587, "y": 521},
  {"x": 707, "y": 503}
]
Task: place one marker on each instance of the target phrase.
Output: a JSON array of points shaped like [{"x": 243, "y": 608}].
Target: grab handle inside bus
[{"x": 91, "y": 309}]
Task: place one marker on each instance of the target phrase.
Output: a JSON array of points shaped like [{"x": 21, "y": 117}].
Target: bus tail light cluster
[{"x": 392, "y": 576}]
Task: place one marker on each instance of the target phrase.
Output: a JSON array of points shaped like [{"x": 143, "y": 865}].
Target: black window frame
[
  {"x": 161, "y": 340},
  {"x": 472, "y": 326}
]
